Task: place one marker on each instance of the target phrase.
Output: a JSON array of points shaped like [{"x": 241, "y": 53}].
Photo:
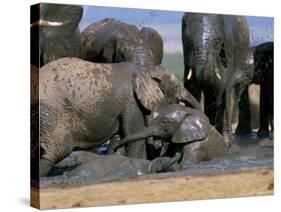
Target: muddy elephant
[
  {"x": 262, "y": 74},
  {"x": 55, "y": 32},
  {"x": 185, "y": 130},
  {"x": 215, "y": 49},
  {"x": 116, "y": 166},
  {"x": 112, "y": 41},
  {"x": 83, "y": 104}
]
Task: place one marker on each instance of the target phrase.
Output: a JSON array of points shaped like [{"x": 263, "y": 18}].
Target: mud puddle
[{"x": 247, "y": 151}]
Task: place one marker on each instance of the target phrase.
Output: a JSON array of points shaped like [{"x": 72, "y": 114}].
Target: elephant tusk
[
  {"x": 155, "y": 114},
  {"x": 217, "y": 73},
  {"x": 189, "y": 74},
  {"x": 46, "y": 23}
]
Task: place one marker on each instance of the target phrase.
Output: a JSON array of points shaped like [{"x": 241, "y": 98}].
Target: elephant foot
[
  {"x": 263, "y": 133},
  {"x": 270, "y": 136},
  {"x": 234, "y": 148},
  {"x": 240, "y": 131},
  {"x": 228, "y": 139}
]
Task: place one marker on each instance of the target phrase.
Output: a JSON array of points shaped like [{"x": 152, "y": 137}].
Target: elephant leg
[
  {"x": 194, "y": 153},
  {"x": 227, "y": 128},
  {"x": 264, "y": 110},
  {"x": 55, "y": 145},
  {"x": 210, "y": 106},
  {"x": 133, "y": 122},
  {"x": 271, "y": 117},
  {"x": 153, "y": 147},
  {"x": 244, "y": 122},
  {"x": 113, "y": 141}
]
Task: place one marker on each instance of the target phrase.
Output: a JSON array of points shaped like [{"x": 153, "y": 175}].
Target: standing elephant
[
  {"x": 111, "y": 41},
  {"x": 215, "y": 49},
  {"x": 244, "y": 120},
  {"x": 83, "y": 104},
  {"x": 186, "y": 130},
  {"x": 55, "y": 32},
  {"x": 263, "y": 57},
  {"x": 262, "y": 74}
]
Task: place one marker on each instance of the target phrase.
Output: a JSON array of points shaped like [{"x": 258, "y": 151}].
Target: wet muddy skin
[{"x": 247, "y": 151}]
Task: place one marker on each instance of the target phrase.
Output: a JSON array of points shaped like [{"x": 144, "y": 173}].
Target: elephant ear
[
  {"x": 192, "y": 128},
  {"x": 148, "y": 90},
  {"x": 155, "y": 43}
]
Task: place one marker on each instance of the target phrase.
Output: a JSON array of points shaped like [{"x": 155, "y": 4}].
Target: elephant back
[{"x": 106, "y": 168}]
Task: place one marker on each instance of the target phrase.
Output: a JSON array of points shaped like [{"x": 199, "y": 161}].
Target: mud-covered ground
[{"x": 248, "y": 151}]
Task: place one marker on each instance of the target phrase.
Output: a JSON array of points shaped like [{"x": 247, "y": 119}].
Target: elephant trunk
[
  {"x": 148, "y": 132},
  {"x": 168, "y": 164},
  {"x": 188, "y": 99}
]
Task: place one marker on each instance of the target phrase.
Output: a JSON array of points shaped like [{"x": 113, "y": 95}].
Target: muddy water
[{"x": 247, "y": 151}]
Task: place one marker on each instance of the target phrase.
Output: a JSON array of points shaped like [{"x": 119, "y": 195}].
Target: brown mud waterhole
[{"x": 246, "y": 171}]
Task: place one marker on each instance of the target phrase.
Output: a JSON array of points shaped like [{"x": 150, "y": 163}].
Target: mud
[{"x": 248, "y": 151}]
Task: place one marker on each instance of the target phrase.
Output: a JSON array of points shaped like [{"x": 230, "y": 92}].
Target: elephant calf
[
  {"x": 188, "y": 130},
  {"x": 261, "y": 72},
  {"x": 114, "y": 166}
]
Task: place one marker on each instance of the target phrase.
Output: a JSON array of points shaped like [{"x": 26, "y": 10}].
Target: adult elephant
[
  {"x": 83, "y": 104},
  {"x": 55, "y": 32},
  {"x": 215, "y": 50},
  {"x": 112, "y": 41},
  {"x": 263, "y": 57},
  {"x": 262, "y": 74}
]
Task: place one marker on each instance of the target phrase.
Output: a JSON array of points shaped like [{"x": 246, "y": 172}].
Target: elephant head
[
  {"x": 204, "y": 42},
  {"x": 263, "y": 59},
  {"x": 155, "y": 88},
  {"x": 57, "y": 29},
  {"x": 177, "y": 123}
]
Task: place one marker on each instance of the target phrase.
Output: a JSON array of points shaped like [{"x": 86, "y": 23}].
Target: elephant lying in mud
[
  {"x": 102, "y": 168},
  {"x": 112, "y": 41},
  {"x": 83, "y": 104},
  {"x": 186, "y": 130},
  {"x": 118, "y": 165}
]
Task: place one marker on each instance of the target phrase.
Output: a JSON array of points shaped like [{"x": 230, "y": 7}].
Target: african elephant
[
  {"x": 263, "y": 57},
  {"x": 112, "y": 166},
  {"x": 55, "y": 32},
  {"x": 186, "y": 130},
  {"x": 244, "y": 120},
  {"x": 262, "y": 73},
  {"x": 83, "y": 104},
  {"x": 215, "y": 50},
  {"x": 112, "y": 41}
]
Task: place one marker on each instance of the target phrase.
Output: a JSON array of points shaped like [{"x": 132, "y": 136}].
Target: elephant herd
[{"x": 105, "y": 85}]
